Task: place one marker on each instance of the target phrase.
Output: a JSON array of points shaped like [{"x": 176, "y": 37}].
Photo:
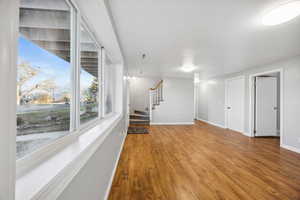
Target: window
[
  {"x": 109, "y": 86},
  {"x": 44, "y": 74},
  {"x": 58, "y": 90},
  {"x": 89, "y": 80}
]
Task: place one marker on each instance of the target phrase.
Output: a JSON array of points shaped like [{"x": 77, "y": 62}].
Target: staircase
[
  {"x": 139, "y": 123},
  {"x": 140, "y": 120},
  {"x": 156, "y": 95}
]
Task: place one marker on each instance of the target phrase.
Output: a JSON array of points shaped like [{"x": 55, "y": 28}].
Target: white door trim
[
  {"x": 251, "y": 100},
  {"x": 226, "y": 101}
]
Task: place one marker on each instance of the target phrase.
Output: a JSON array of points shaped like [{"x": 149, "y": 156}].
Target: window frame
[
  {"x": 41, "y": 154},
  {"x": 83, "y": 22},
  {"x": 104, "y": 68},
  {"x": 8, "y": 74}
]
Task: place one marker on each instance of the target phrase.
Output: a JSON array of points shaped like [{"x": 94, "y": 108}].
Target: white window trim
[
  {"x": 103, "y": 60},
  {"x": 104, "y": 68},
  {"x": 82, "y": 22},
  {"x": 32, "y": 159},
  {"x": 8, "y": 54},
  {"x": 46, "y": 181}
]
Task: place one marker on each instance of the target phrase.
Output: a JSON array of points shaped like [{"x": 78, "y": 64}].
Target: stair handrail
[
  {"x": 159, "y": 84},
  {"x": 155, "y": 97}
]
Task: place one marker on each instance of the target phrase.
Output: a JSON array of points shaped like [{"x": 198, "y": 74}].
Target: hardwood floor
[{"x": 204, "y": 162}]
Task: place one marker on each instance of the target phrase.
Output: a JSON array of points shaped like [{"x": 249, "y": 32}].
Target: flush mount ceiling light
[
  {"x": 188, "y": 68},
  {"x": 282, "y": 13}
]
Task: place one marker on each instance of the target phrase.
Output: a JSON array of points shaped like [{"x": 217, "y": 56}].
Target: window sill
[{"x": 48, "y": 179}]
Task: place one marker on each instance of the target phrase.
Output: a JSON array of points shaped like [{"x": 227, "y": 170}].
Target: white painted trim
[
  {"x": 115, "y": 168},
  {"x": 103, "y": 60},
  {"x": 288, "y": 147},
  {"x": 251, "y": 100},
  {"x": 247, "y": 134},
  {"x": 221, "y": 126},
  {"x": 30, "y": 186},
  {"x": 172, "y": 123},
  {"x": 211, "y": 123},
  {"x": 243, "y": 77},
  {"x": 36, "y": 157},
  {"x": 9, "y": 21}
]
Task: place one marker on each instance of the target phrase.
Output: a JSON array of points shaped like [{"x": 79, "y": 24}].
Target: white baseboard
[
  {"x": 172, "y": 123},
  {"x": 212, "y": 123},
  {"x": 247, "y": 134},
  {"x": 115, "y": 168},
  {"x": 288, "y": 147}
]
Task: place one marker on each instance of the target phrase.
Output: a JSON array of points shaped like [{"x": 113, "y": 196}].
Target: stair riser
[
  {"x": 141, "y": 123},
  {"x": 139, "y": 117},
  {"x": 140, "y": 112}
]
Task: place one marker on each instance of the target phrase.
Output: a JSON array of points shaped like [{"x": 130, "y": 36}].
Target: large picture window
[
  {"x": 59, "y": 75},
  {"x": 44, "y": 74},
  {"x": 89, "y": 77}
]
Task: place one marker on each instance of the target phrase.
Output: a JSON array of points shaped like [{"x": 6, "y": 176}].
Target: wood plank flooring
[{"x": 204, "y": 162}]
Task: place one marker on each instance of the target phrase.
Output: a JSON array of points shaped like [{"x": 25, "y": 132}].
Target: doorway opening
[{"x": 266, "y": 110}]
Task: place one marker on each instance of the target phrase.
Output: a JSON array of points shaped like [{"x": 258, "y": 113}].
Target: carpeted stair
[{"x": 139, "y": 123}]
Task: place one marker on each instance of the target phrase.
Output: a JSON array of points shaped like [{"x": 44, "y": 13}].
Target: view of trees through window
[
  {"x": 44, "y": 83},
  {"x": 43, "y": 97},
  {"x": 44, "y": 74},
  {"x": 89, "y": 88}
]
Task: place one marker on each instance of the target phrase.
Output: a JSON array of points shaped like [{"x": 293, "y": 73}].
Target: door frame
[
  {"x": 226, "y": 101},
  {"x": 196, "y": 102},
  {"x": 251, "y": 101}
]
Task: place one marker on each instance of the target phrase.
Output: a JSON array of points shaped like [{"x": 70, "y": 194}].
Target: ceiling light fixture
[
  {"x": 188, "y": 68},
  {"x": 282, "y": 13}
]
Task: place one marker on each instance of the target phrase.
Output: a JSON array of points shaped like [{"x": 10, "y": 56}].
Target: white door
[
  {"x": 266, "y": 106},
  {"x": 235, "y": 98}
]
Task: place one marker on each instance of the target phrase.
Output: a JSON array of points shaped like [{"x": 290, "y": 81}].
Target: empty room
[{"x": 149, "y": 100}]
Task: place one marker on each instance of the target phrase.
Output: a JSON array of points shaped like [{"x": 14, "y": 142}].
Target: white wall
[
  {"x": 178, "y": 94},
  {"x": 178, "y": 104},
  {"x": 211, "y": 101},
  {"x": 212, "y": 95},
  {"x": 139, "y": 92},
  {"x": 94, "y": 179}
]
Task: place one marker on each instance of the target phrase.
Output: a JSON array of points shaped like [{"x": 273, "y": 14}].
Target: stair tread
[
  {"x": 139, "y": 115},
  {"x": 139, "y": 120},
  {"x": 141, "y": 112},
  {"x": 137, "y": 130}
]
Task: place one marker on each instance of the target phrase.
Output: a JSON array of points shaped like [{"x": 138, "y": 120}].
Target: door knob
[
  {"x": 228, "y": 107},
  {"x": 275, "y": 108}
]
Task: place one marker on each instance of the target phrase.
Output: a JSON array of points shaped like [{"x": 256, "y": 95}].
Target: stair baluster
[
  {"x": 155, "y": 96},
  {"x": 161, "y": 94}
]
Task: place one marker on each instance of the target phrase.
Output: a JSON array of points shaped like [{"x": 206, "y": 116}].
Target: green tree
[{"x": 91, "y": 94}]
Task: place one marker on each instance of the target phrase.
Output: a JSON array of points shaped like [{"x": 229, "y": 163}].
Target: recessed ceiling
[{"x": 216, "y": 37}]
